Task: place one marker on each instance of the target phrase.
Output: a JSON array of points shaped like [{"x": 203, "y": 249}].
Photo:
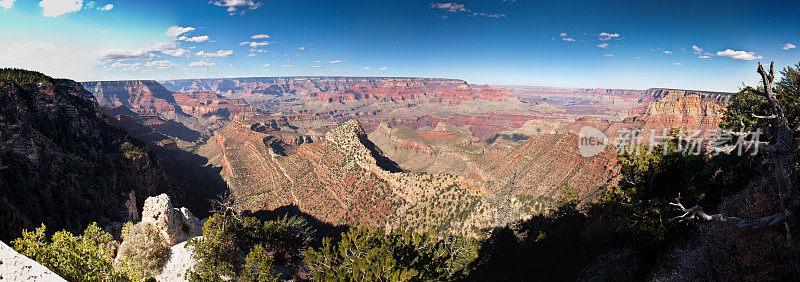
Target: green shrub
[
  {"x": 88, "y": 257},
  {"x": 371, "y": 254},
  {"x": 258, "y": 266},
  {"x": 227, "y": 239},
  {"x": 143, "y": 252}
]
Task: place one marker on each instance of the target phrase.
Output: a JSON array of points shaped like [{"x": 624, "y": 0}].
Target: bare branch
[
  {"x": 764, "y": 117},
  {"x": 696, "y": 213}
]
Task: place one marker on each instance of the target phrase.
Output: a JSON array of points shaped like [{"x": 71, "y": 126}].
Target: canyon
[{"x": 438, "y": 154}]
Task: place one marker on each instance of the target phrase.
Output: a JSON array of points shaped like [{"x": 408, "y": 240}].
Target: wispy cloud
[
  {"x": 608, "y": 55},
  {"x": 218, "y": 54},
  {"x": 260, "y": 36},
  {"x": 788, "y": 46},
  {"x": 176, "y": 31},
  {"x": 697, "y": 50},
  {"x": 201, "y": 64},
  {"x": 366, "y": 68},
  {"x": 106, "y": 7},
  {"x": 234, "y": 6},
  {"x": 603, "y": 45},
  {"x": 383, "y": 68},
  {"x": 160, "y": 65},
  {"x": 453, "y": 8},
  {"x": 565, "y": 37},
  {"x": 668, "y": 52},
  {"x": 607, "y": 36},
  {"x": 166, "y": 48},
  {"x": 254, "y": 44},
  {"x": 195, "y": 39},
  {"x": 489, "y": 15},
  {"x": 677, "y": 64},
  {"x": 449, "y": 7},
  {"x": 739, "y": 55},
  {"x": 335, "y": 62}
]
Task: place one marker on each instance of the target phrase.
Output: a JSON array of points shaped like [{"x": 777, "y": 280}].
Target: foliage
[
  {"x": 227, "y": 238},
  {"x": 746, "y": 103},
  {"x": 371, "y": 254},
  {"x": 88, "y": 257},
  {"x": 258, "y": 266},
  {"x": 652, "y": 178},
  {"x": 143, "y": 252},
  {"x": 20, "y": 77}
]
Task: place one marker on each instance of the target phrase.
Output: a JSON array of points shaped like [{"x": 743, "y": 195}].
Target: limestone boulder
[{"x": 175, "y": 225}]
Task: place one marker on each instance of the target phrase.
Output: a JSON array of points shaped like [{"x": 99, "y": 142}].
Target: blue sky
[{"x": 592, "y": 43}]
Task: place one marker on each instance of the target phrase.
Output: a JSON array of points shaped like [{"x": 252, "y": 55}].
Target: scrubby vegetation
[
  {"x": 87, "y": 257},
  {"x": 245, "y": 247},
  {"x": 366, "y": 254},
  {"x": 143, "y": 252}
]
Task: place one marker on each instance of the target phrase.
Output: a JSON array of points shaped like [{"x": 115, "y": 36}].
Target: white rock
[
  {"x": 174, "y": 225},
  {"x": 180, "y": 260},
  {"x": 16, "y": 267}
]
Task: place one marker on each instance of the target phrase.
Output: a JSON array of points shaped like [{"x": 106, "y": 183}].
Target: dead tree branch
[{"x": 696, "y": 212}]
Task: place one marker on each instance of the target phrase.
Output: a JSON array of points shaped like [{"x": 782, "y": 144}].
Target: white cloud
[
  {"x": 6, "y": 4},
  {"x": 697, "y": 50},
  {"x": 55, "y": 8},
  {"x": 266, "y": 65},
  {"x": 121, "y": 55},
  {"x": 286, "y": 66},
  {"x": 218, "y": 54},
  {"x": 603, "y": 45},
  {"x": 335, "y": 62},
  {"x": 449, "y": 7},
  {"x": 568, "y": 39},
  {"x": 365, "y": 68},
  {"x": 124, "y": 66},
  {"x": 608, "y": 55},
  {"x": 383, "y": 68},
  {"x": 260, "y": 36},
  {"x": 668, "y": 52},
  {"x": 177, "y": 52},
  {"x": 563, "y": 34},
  {"x": 704, "y": 57},
  {"x": 167, "y": 48},
  {"x": 106, "y": 7},
  {"x": 607, "y": 36},
  {"x": 788, "y": 46},
  {"x": 175, "y": 31},
  {"x": 234, "y": 5},
  {"x": 250, "y": 55},
  {"x": 301, "y": 48},
  {"x": 489, "y": 15},
  {"x": 254, "y": 44},
  {"x": 201, "y": 64},
  {"x": 739, "y": 55},
  {"x": 160, "y": 65},
  {"x": 317, "y": 67},
  {"x": 195, "y": 39},
  {"x": 677, "y": 64}
]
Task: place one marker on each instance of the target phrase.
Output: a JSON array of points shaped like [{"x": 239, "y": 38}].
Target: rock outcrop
[
  {"x": 175, "y": 225},
  {"x": 16, "y": 267},
  {"x": 61, "y": 163}
]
